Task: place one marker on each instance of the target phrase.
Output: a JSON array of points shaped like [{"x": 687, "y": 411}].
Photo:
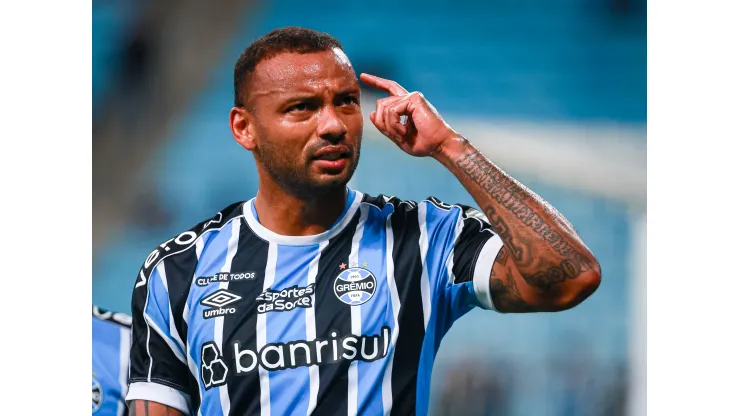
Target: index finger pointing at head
[{"x": 391, "y": 87}]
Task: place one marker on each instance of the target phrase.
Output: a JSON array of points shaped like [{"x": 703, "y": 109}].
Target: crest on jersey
[
  {"x": 355, "y": 286},
  {"x": 97, "y": 395}
]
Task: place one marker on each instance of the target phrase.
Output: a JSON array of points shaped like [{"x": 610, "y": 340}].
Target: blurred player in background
[
  {"x": 111, "y": 342},
  {"x": 312, "y": 298}
]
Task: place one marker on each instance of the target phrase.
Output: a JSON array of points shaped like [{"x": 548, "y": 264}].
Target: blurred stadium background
[{"x": 553, "y": 91}]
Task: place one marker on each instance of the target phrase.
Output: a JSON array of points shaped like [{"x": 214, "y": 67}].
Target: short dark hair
[{"x": 290, "y": 39}]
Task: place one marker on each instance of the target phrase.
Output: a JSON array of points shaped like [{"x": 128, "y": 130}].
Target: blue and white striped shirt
[{"x": 230, "y": 318}]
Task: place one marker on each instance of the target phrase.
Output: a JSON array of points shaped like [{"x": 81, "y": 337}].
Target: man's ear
[{"x": 243, "y": 128}]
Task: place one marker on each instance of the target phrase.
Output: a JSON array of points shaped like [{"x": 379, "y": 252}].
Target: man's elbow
[{"x": 582, "y": 287}]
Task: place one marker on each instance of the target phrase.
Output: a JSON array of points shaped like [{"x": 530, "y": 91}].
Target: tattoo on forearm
[
  {"x": 135, "y": 410},
  {"x": 503, "y": 231},
  {"x": 502, "y": 257},
  {"x": 142, "y": 407},
  {"x": 506, "y": 295},
  {"x": 514, "y": 198}
]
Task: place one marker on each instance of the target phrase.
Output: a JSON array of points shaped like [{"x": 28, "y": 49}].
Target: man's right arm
[
  {"x": 148, "y": 408},
  {"x": 159, "y": 376}
]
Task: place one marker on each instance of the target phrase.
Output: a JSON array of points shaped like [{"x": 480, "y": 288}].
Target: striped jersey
[
  {"x": 230, "y": 318},
  {"x": 111, "y": 341}
]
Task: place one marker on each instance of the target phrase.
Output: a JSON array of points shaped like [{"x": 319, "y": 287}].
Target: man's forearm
[{"x": 543, "y": 244}]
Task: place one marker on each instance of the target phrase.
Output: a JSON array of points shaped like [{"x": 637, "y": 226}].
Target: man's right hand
[
  {"x": 147, "y": 408},
  {"x": 423, "y": 134}
]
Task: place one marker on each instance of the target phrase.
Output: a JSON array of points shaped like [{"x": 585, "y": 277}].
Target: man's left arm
[{"x": 543, "y": 266}]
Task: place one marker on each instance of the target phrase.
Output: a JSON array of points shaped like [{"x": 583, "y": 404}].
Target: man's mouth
[
  {"x": 332, "y": 159},
  {"x": 332, "y": 153}
]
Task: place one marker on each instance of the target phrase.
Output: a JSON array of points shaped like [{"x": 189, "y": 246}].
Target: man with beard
[{"x": 312, "y": 298}]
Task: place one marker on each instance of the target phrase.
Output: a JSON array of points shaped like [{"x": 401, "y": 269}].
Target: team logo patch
[
  {"x": 213, "y": 370},
  {"x": 355, "y": 286},
  {"x": 217, "y": 300},
  {"x": 97, "y": 395}
]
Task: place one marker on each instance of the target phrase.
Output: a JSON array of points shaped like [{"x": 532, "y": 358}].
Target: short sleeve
[
  {"x": 461, "y": 250},
  {"x": 158, "y": 365}
]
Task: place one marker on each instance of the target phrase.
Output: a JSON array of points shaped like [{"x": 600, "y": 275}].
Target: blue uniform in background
[
  {"x": 230, "y": 318},
  {"x": 111, "y": 342}
]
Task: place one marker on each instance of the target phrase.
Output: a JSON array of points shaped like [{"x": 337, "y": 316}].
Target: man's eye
[
  {"x": 298, "y": 107},
  {"x": 349, "y": 100}
]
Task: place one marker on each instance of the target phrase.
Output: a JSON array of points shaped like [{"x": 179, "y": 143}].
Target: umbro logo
[{"x": 217, "y": 300}]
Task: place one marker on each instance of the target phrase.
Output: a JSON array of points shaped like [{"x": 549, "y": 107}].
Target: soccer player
[
  {"x": 312, "y": 298},
  {"x": 111, "y": 343}
]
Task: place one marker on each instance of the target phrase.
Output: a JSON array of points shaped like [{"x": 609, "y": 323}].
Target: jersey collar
[{"x": 354, "y": 198}]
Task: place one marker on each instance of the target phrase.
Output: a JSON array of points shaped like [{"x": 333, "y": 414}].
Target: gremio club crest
[{"x": 355, "y": 285}]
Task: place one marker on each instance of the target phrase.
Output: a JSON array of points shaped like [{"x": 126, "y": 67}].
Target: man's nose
[{"x": 331, "y": 127}]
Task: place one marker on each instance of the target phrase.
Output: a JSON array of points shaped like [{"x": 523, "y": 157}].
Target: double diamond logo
[
  {"x": 218, "y": 303},
  {"x": 220, "y": 298}
]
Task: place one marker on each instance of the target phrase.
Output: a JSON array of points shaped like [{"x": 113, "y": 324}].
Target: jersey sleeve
[
  {"x": 461, "y": 249},
  {"x": 159, "y": 369}
]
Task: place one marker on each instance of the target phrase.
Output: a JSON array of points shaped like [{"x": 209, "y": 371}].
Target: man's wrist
[{"x": 451, "y": 149}]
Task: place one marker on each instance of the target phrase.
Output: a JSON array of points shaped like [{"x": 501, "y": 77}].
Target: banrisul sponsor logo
[
  {"x": 302, "y": 353},
  {"x": 213, "y": 370},
  {"x": 286, "y": 299},
  {"x": 224, "y": 277},
  {"x": 220, "y": 303},
  {"x": 355, "y": 286}
]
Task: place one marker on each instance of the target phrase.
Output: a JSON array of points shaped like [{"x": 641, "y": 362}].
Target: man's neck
[{"x": 287, "y": 214}]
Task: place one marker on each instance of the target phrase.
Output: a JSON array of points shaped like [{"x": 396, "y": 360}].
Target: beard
[{"x": 295, "y": 176}]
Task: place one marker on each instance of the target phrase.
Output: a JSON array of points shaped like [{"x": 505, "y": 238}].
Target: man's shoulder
[
  {"x": 181, "y": 247},
  {"x": 215, "y": 223},
  {"x": 430, "y": 211},
  {"x": 404, "y": 206},
  {"x": 383, "y": 201}
]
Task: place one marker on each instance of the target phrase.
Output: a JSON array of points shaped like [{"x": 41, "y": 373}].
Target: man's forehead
[{"x": 297, "y": 71}]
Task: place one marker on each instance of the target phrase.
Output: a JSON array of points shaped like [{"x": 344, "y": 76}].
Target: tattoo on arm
[
  {"x": 505, "y": 294},
  {"x": 142, "y": 408},
  {"x": 514, "y": 201},
  {"x": 139, "y": 408}
]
